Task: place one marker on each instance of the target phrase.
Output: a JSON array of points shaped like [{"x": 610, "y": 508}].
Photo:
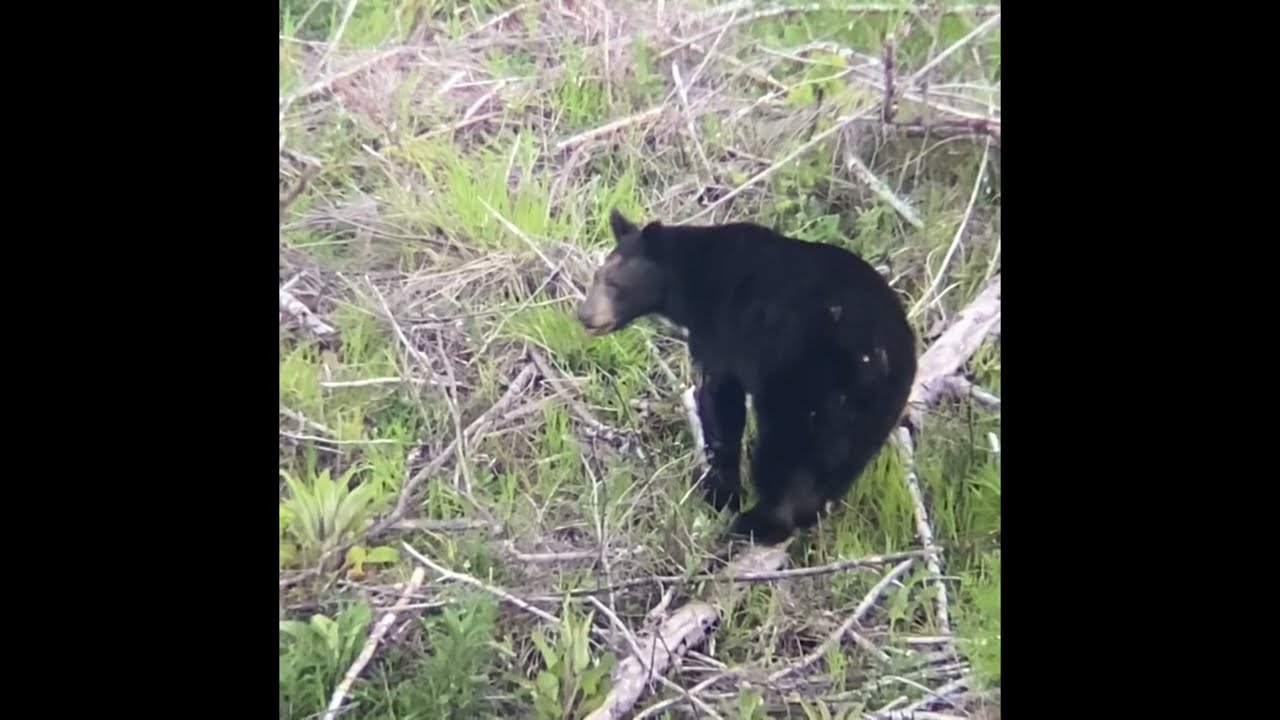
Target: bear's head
[{"x": 629, "y": 284}]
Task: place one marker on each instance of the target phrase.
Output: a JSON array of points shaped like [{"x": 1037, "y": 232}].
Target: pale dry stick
[
  {"x": 304, "y": 420},
  {"x": 372, "y": 382},
  {"x": 451, "y": 399},
  {"x": 874, "y": 81},
  {"x": 293, "y": 280},
  {"x": 915, "y": 709},
  {"x": 457, "y": 525},
  {"x": 962, "y": 388},
  {"x": 370, "y": 645},
  {"x": 459, "y": 125},
  {"x": 957, "y": 9},
  {"x": 753, "y": 73},
  {"x": 706, "y": 58},
  {"x": 923, "y": 529},
  {"x": 869, "y": 647},
  {"x": 839, "y": 125},
  {"x": 982, "y": 29},
  {"x": 661, "y": 705},
  {"x": 566, "y": 556},
  {"x": 853, "y": 620},
  {"x": 881, "y": 189},
  {"x": 331, "y": 441},
  {"x": 605, "y": 51},
  {"x": 294, "y": 307},
  {"x": 409, "y": 347},
  {"x": 610, "y": 127},
  {"x": 601, "y": 529},
  {"x": 636, "y": 652},
  {"x": 689, "y": 124},
  {"x": 493, "y": 21},
  {"x": 524, "y": 237},
  {"x": 868, "y": 561},
  {"x": 337, "y": 37},
  {"x": 323, "y": 86},
  {"x": 962, "y": 338},
  {"x": 743, "y": 20},
  {"x": 469, "y": 580},
  {"x": 926, "y": 298},
  {"x": 514, "y": 390},
  {"x": 687, "y": 626},
  {"x": 553, "y": 380},
  {"x": 480, "y": 101}
]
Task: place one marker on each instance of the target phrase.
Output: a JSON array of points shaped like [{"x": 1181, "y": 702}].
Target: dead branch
[
  {"x": 294, "y": 307},
  {"x": 953, "y": 349},
  {"x": 371, "y": 645},
  {"x": 924, "y": 530},
  {"x": 847, "y": 626},
  {"x": 689, "y": 626}
]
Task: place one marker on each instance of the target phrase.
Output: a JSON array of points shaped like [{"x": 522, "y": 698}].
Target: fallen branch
[
  {"x": 939, "y": 363},
  {"x": 924, "y": 530},
  {"x": 294, "y": 307},
  {"x": 961, "y": 388},
  {"x": 686, "y": 627},
  {"x": 859, "y": 612},
  {"x": 371, "y": 645},
  {"x": 952, "y": 350},
  {"x": 468, "y": 580}
]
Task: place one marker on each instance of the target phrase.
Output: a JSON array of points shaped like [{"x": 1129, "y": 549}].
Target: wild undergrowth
[{"x": 460, "y": 160}]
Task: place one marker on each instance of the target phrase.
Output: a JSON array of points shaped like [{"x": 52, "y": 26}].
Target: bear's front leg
[{"x": 720, "y": 408}]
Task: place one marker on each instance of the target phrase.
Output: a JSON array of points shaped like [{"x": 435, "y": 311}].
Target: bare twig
[
  {"x": 322, "y": 87},
  {"x": 371, "y": 645},
  {"x": 917, "y": 709},
  {"x": 839, "y": 125},
  {"x": 953, "y": 349},
  {"x": 881, "y": 189},
  {"x": 923, "y": 529},
  {"x": 848, "y": 625},
  {"x": 468, "y": 580},
  {"x": 982, "y": 29},
  {"x": 767, "y": 575},
  {"x": 686, "y": 627},
  {"x": 294, "y": 307},
  {"x": 925, "y": 299},
  {"x": 637, "y": 653},
  {"x": 611, "y": 127},
  {"x": 514, "y": 390},
  {"x": 962, "y": 388}
]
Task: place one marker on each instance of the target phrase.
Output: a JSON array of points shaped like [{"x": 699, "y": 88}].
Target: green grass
[{"x": 443, "y": 237}]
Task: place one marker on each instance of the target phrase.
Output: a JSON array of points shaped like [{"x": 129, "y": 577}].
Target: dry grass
[{"x": 443, "y": 202}]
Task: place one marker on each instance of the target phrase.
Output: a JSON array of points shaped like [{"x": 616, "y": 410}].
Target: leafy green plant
[
  {"x": 571, "y": 684},
  {"x": 318, "y": 517},
  {"x": 462, "y": 646},
  {"x": 315, "y": 654}
]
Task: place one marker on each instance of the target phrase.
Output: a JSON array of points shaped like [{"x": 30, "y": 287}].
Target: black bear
[{"x": 811, "y": 332}]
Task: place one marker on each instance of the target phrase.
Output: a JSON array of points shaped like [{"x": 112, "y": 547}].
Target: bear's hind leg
[{"x": 789, "y": 495}]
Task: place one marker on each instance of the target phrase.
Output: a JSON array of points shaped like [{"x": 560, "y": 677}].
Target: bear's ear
[{"x": 621, "y": 226}]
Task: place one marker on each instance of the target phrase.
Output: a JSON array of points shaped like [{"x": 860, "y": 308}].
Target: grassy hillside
[{"x": 446, "y": 173}]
